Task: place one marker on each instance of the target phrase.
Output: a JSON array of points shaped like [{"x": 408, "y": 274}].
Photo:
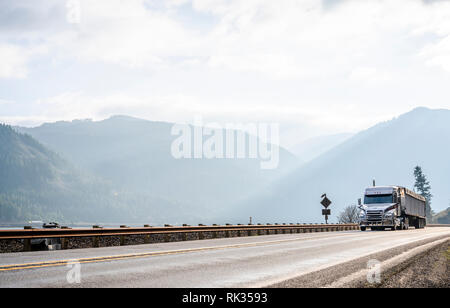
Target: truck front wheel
[{"x": 363, "y": 228}]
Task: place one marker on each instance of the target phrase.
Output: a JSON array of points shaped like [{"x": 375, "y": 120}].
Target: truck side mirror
[{"x": 359, "y": 202}]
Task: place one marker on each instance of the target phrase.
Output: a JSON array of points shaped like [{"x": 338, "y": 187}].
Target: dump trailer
[{"x": 393, "y": 207}]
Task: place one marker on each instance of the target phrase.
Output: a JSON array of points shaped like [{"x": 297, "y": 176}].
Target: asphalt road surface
[{"x": 232, "y": 262}]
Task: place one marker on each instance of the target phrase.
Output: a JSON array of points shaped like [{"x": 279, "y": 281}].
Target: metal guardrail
[
  {"x": 98, "y": 232},
  {"x": 66, "y": 238}
]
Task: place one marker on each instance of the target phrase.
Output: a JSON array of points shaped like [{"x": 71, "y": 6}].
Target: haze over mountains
[
  {"x": 314, "y": 147},
  {"x": 121, "y": 170},
  {"x": 387, "y": 152},
  {"x": 37, "y": 183},
  {"x": 132, "y": 157}
]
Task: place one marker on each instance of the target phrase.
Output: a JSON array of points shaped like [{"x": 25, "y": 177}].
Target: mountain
[
  {"x": 387, "y": 152},
  {"x": 314, "y": 147},
  {"x": 442, "y": 217},
  {"x": 134, "y": 156},
  {"x": 36, "y": 183}
]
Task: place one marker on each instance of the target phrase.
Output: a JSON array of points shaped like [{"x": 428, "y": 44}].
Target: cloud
[
  {"x": 438, "y": 54},
  {"x": 370, "y": 76},
  {"x": 25, "y": 121},
  {"x": 280, "y": 39},
  {"x": 338, "y": 65},
  {"x": 5, "y": 102},
  {"x": 13, "y": 62},
  {"x": 182, "y": 109}
]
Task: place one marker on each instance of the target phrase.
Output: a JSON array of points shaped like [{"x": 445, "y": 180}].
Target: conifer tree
[{"x": 423, "y": 187}]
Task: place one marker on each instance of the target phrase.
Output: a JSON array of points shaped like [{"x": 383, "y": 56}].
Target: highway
[{"x": 256, "y": 261}]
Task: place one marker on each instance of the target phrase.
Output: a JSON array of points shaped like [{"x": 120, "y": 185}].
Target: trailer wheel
[
  {"x": 422, "y": 223},
  {"x": 418, "y": 224},
  {"x": 363, "y": 228}
]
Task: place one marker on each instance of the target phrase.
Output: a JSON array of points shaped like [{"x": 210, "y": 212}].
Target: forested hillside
[
  {"x": 37, "y": 184},
  {"x": 134, "y": 155}
]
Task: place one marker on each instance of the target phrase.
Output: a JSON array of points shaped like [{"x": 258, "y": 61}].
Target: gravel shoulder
[
  {"x": 427, "y": 265},
  {"x": 427, "y": 270}
]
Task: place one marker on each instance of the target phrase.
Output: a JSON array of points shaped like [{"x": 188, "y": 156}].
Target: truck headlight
[{"x": 389, "y": 214}]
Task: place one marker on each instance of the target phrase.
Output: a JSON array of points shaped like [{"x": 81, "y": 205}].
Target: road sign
[
  {"x": 326, "y": 212},
  {"x": 326, "y": 202}
]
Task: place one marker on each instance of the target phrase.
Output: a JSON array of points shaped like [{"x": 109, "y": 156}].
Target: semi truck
[{"x": 392, "y": 207}]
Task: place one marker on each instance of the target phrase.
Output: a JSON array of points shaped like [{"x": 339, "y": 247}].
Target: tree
[
  {"x": 349, "y": 215},
  {"x": 423, "y": 187}
]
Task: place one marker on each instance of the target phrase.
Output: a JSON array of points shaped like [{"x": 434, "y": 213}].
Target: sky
[{"x": 316, "y": 67}]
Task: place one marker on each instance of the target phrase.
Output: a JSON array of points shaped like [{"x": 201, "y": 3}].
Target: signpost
[{"x": 326, "y": 203}]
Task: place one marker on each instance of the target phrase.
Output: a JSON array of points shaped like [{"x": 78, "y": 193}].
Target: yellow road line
[{"x": 12, "y": 267}]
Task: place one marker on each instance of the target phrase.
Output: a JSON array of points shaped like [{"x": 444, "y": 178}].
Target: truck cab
[{"x": 392, "y": 207}]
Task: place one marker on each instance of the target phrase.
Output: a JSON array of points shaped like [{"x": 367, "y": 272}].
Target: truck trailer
[{"x": 393, "y": 207}]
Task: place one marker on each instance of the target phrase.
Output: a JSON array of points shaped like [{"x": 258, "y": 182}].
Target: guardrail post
[
  {"x": 184, "y": 236},
  {"x": 95, "y": 242},
  {"x": 27, "y": 244},
  {"x": 64, "y": 243},
  {"x": 122, "y": 237}
]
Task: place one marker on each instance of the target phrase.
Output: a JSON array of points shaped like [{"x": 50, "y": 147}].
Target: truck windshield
[{"x": 376, "y": 199}]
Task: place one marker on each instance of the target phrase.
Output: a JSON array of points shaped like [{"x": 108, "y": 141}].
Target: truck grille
[{"x": 373, "y": 215}]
